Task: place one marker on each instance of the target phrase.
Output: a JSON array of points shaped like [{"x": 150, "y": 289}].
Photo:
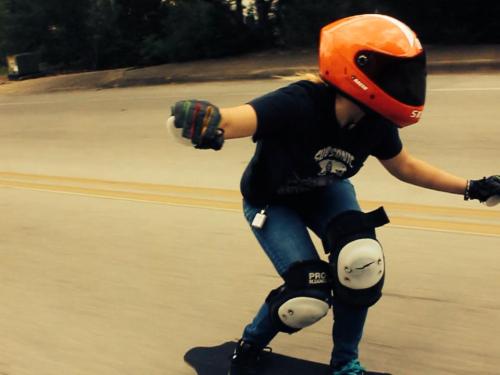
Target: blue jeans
[{"x": 285, "y": 240}]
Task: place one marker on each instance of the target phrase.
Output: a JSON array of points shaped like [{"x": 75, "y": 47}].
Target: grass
[{"x": 3, "y": 70}]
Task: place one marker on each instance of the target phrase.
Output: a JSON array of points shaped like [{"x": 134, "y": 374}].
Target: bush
[
  {"x": 299, "y": 22},
  {"x": 195, "y": 29}
]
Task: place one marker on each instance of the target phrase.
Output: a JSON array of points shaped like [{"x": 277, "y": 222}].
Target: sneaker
[
  {"x": 245, "y": 359},
  {"x": 352, "y": 367}
]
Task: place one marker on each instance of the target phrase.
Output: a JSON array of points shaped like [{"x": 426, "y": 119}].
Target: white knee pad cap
[
  {"x": 301, "y": 312},
  {"x": 361, "y": 264}
]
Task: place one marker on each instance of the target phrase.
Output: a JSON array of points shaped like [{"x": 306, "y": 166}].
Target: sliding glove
[
  {"x": 483, "y": 189},
  {"x": 199, "y": 121}
]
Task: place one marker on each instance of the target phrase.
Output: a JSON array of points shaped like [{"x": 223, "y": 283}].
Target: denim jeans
[{"x": 285, "y": 240}]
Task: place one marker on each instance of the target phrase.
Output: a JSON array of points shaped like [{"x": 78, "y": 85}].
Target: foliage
[
  {"x": 55, "y": 28},
  {"x": 299, "y": 21},
  {"x": 96, "y": 34},
  {"x": 104, "y": 35},
  {"x": 448, "y": 22},
  {"x": 192, "y": 30},
  {"x": 3, "y": 17}
]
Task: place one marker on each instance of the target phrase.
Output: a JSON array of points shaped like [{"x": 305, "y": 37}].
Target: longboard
[{"x": 215, "y": 361}]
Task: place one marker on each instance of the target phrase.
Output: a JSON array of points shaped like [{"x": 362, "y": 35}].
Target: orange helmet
[{"x": 379, "y": 62}]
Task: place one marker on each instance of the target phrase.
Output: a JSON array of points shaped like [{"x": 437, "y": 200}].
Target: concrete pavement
[{"x": 121, "y": 250}]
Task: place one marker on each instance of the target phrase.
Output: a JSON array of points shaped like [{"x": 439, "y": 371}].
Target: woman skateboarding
[{"x": 312, "y": 136}]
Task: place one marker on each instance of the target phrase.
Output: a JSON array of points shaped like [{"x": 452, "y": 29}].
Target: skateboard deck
[{"x": 215, "y": 361}]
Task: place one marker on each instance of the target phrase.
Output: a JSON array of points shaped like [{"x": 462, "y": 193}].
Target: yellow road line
[
  {"x": 434, "y": 210},
  {"x": 446, "y": 226},
  {"x": 405, "y": 221},
  {"x": 233, "y": 194},
  {"x": 227, "y": 193},
  {"x": 124, "y": 195}
]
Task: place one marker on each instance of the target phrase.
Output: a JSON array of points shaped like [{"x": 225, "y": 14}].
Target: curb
[
  {"x": 271, "y": 73},
  {"x": 217, "y": 71},
  {"x": 443, "y": 67}
]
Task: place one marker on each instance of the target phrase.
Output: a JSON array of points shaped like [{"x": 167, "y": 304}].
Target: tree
[
  {"x": 239, "y": 11},
  {"x": 104, "y": 35},
  {"x": 194, "y": 29},
  {"x": 136, "y": 20},
  {"x": 25, "y": 26},
  {"x": 265, "y": 27},
  {"x": 263, "y": 8},
  {"x": 3, "y": 18},
  {"x": 55, "y": 28},
  {"x": 98, "y": 34},
  {"x": 299, "y": 22},
  {"x": 67, "y": 41}
]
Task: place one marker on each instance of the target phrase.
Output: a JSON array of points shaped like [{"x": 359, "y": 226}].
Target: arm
[
  {"x": 417, "y": 172},
  {"x": 207, "y": 126},
  {"x": 238, "y": 122},
  {"x": 204, "y": 123}
]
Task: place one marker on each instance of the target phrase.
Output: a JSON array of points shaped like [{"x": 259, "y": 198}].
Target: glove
[
  {"x": 199, "y": 121},
  {"x": 482, "y": 189}
]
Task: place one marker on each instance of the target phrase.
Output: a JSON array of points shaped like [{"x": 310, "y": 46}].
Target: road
[{"x": 120, "y": 250}]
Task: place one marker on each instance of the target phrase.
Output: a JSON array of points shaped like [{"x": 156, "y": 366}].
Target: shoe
[
  {"x": 352, "y": 367},
  {"x": 245, "y": 359}
]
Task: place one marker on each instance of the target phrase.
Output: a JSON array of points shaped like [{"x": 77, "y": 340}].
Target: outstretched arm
[
  {"x": 417, "y": 172},
  {"x": 238, "y": 122},
  {"x": 207, "y": 126}
]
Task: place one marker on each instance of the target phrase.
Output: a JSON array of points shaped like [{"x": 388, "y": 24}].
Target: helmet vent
[{"x": 362, "y": 60}]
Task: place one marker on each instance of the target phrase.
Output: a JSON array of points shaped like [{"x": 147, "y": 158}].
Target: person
[{"x": 312, "y": 136}]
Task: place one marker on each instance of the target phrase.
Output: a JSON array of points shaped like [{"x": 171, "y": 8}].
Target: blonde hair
[{"x": 305, "y": 76}]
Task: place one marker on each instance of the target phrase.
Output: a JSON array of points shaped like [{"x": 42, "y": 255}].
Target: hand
[
  {"x": 483, "y": 189},
  {"x": 199, "y": 121}
]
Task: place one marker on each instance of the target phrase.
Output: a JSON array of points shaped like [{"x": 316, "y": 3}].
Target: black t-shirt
[{"x": 301, "y": 147}]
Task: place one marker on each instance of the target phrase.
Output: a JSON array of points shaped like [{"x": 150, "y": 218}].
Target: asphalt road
[{"x": 120, "y": 249}]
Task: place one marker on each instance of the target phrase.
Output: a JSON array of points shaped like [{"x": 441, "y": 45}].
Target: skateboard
[{"x": 215, "y": 361}]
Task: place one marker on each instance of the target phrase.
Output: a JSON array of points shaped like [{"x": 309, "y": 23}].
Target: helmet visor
[{"x": 401, "y": 78}]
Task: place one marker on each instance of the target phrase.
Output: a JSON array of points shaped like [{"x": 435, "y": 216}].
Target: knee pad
[
  {"x": 356, "y": 257},
  {"x": 304, "y": 298}
]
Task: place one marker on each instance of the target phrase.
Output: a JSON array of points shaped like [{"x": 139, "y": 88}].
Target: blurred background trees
[{"x": 98, "y": 34}]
